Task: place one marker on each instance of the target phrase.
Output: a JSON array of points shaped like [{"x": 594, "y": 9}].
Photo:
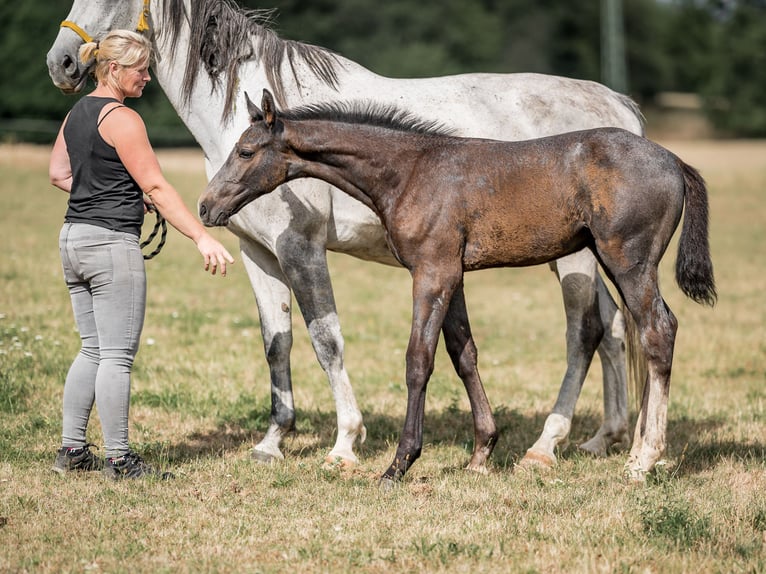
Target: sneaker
[
  {"x": 76, "y": 458},
  {"x": 132, "y": 465}
]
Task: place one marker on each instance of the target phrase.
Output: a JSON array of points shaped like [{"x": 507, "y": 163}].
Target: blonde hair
[{"x": 124, "y": 47}]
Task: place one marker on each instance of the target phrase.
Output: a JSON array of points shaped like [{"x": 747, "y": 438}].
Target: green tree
[
  {"x": 713, "y": 47},
  {"x": 687, "y": 45},
  {"x": 26, "y": 32},
  {"x": 31, "y": 108},
  {"x": 398, "y": 38},
  {"x": 735, "y": 96}
]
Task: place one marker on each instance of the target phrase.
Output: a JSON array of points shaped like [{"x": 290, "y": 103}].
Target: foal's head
[{"x": 257, "y": 165}]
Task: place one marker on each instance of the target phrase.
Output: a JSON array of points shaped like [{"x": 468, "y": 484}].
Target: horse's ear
[
  {"x": 269, "y": 109},
  {"x": 252, "y": 110}
]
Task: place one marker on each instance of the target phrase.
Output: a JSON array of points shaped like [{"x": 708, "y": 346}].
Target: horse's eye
[{"x": 246, "y": 154}]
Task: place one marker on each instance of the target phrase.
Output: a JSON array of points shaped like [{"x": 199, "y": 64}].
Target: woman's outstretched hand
[{"x": 215, "y": 255}]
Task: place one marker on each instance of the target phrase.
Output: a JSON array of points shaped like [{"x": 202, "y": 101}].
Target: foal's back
[{"x": 524, "y": 203}]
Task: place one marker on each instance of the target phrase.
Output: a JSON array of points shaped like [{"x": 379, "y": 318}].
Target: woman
[{"x": 102, "y": 157}]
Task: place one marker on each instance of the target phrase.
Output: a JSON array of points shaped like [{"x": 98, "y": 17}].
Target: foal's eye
[{"x": 246, "y": 154}]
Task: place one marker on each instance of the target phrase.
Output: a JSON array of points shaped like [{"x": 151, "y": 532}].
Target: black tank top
[{"x": 103, "y": 192}]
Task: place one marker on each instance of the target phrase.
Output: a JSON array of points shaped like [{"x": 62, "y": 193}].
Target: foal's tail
[{"x": 694, "y": 268}]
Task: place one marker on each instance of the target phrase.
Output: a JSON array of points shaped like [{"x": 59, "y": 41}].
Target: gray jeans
[{"x": 105, "y": 273}]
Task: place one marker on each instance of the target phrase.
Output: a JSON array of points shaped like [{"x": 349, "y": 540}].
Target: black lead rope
[{"x": 160, "y": 223}]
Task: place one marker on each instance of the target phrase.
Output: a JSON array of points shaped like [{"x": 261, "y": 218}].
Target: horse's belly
[{"x": 522, "y": 245}]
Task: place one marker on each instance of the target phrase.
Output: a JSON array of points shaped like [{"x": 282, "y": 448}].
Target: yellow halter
[{"x": 142, "y": 26}]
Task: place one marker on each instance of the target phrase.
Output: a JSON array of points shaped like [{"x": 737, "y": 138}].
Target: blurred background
[{"x": 696, "y": 67}]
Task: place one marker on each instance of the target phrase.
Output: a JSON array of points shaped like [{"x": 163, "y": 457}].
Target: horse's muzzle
[{"x": 209, "y": 219}]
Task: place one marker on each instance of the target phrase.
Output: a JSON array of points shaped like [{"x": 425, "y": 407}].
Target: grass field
[{"x": 201, "y": 400}]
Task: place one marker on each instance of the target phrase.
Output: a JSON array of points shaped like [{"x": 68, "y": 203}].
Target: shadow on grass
[
  {"x": 694, "y": 455},
  {"x": 453, "y": 426}
]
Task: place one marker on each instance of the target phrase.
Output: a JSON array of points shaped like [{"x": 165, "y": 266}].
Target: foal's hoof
[
  {"x": 478, "y": 469},
  {"x": 387, "y": 484},
  {"x": 537, "y": 460}
]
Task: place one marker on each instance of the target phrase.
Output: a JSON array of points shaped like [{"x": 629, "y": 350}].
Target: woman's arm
[
  {"x": 125, "y": 130},
  {"x": 59, "y": 168}
]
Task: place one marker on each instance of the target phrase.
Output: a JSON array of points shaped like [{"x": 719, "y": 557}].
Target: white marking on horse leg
[
  {"x": 542, "y": 453},
  {"x": 649, "y": 446},
  {"x": 273, "y": 298},
  {"x": 328, "y": 344},
  {"x": 657, "y": 335},
  {"x": 577, "y": 275}
]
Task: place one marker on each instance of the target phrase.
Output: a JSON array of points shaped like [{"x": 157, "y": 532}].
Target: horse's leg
[
  {"x": 431, "y": 294},
  {"x": 657, "y": 328},
  {"x": 593, "y": 321},
  {"x": 294, "y": 221},
  {"x": 462, "y": 350},
  {"x": 272, "y": 295},
  {"x": 304, "y": 260},
  {"x": 657, "y": 331},
  {"x": 613, "y": 432}
]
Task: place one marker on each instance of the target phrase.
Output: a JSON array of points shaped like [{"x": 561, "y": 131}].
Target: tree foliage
[
  {"x": 735, "y": 95},
  {"x": 715, "y": 48}
]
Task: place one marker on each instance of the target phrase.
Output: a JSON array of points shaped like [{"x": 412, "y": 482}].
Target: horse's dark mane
[
  {"x": 368, "y": 113},
  {"x": 223, "y": 35}
]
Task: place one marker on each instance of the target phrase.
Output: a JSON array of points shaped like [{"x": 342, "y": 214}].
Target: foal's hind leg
[
  {"x": 462, "y": 350},
  {"x": 657, "y": 328}
]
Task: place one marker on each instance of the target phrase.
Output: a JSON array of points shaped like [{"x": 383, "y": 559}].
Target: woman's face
[{"x": 133, "y": 79}]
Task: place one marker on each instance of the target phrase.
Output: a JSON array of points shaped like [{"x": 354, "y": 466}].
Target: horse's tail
[{"x": 694, "y": 268}]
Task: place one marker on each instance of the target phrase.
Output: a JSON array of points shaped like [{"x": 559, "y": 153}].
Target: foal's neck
[{"x": 370, "y": 164}]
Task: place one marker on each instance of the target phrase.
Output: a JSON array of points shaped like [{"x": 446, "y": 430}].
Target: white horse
[{"x": 210, "y": 50}]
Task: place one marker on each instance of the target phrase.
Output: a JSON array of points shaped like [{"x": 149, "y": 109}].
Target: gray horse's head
[{"x": 88, "y": 20}]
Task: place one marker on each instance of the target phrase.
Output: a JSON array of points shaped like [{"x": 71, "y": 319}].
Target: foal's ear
[
  {"x": 269, "y": 109},
  {"x": 252, "y": 110}
]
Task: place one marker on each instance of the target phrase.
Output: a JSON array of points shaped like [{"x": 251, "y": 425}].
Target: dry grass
[{"x": 201, "y": 399}]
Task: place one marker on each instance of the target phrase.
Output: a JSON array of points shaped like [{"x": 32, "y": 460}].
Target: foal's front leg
[
  {"x": 432, "y": 293},
  {"x": 462, "y": 350}
]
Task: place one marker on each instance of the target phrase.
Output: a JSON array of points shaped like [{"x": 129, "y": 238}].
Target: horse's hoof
[
  {"x": 602, "y": 444},
  {"x": 338, "y": 463},
  {"x": 634, "y": 474},
  {"x": 478, "y": 469},
  {"x": 387, "y": 484},
  {"x": 594, "y": 447},
  {"x": 537, "y": 460},
  {"x": 264, "y": 457}
]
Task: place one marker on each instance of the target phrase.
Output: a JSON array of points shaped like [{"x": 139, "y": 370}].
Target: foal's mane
[
  {"x": 370, "y": 114},
  {"x": 223, "y": 35}
]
